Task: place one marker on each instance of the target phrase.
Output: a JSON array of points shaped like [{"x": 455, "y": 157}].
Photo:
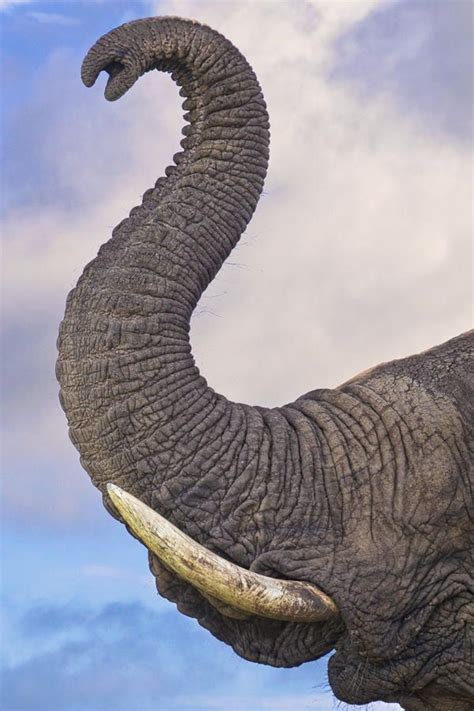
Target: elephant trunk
[{"x": 138, "y": 410}]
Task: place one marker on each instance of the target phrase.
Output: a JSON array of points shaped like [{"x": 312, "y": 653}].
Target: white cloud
[
  {"x": 8, "y": 4},
  {"x": 53, "y": 18},
  {"x": 280, "y": 702},
  {"x": 114, "y": 573}
]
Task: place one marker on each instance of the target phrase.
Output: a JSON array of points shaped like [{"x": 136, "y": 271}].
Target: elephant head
[{"x": 340, "y": 521}]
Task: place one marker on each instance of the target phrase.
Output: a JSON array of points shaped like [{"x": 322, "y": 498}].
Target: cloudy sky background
[{"x": 359, "y": 253}]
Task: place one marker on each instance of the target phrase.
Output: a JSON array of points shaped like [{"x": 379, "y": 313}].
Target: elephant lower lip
[
  {"x": 416, "y": 703},
  {"x": 409, "y": 702},
  {"x": 430, "y": 699}
]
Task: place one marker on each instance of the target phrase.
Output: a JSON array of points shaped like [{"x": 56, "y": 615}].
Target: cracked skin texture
[{"x": 364, "y": 490}]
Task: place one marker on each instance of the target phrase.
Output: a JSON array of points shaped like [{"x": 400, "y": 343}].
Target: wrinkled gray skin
[{"x": 364, "y": 490}]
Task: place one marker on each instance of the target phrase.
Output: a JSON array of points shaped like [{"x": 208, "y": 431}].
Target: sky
[{"x": 359, "y": 252}]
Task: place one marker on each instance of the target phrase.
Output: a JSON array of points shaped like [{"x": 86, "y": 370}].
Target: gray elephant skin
[{"x": 364, "y": 490}]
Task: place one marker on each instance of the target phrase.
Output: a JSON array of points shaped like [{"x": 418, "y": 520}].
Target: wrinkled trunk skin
[
  {"x": 138, "y": 409},
  {"x": 139, "y": 412},
  {"x": 365, "y": 490}
]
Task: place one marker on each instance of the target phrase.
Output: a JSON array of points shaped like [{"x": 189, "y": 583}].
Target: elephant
[{"x": 339, "y": 522}]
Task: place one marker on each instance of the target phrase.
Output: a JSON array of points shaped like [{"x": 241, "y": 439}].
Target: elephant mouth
[
  {"x": 234, "y": 591},
  {"x": 361, "y": 681}
]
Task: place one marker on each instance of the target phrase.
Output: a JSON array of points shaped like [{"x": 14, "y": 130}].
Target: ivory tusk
[{"x": 290, "y": 600}]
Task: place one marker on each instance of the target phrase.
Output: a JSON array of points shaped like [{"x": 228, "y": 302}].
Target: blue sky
[{"x": 379, "y": 96}]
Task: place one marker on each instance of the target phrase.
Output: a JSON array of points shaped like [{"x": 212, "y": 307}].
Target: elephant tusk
[{"x": 215, "y": 577}]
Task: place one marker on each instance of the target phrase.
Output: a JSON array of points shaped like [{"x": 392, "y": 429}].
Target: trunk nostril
[
  {"x": 113, "y": 68},
  {"x": 119, "y": 81}
]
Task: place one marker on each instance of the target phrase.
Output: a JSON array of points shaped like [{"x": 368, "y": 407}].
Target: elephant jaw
[{"x": 234, "y": 591}]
